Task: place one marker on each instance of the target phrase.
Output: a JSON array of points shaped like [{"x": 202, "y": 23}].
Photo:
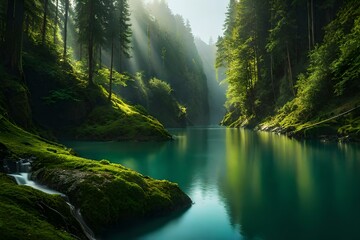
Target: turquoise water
[{"x": 245, "y": 185}]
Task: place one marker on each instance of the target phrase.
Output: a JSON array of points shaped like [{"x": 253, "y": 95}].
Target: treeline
[{"x": 288, "y": 54}]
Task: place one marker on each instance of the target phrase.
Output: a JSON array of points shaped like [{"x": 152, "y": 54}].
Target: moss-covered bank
[
  {"x": 334, "y": 123},
  {"x": 107, "y": 194},
  {"x": 26, "y": 213}
]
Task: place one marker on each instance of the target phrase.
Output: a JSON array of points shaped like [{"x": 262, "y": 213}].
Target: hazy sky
[{"x": 206, "y": 16}]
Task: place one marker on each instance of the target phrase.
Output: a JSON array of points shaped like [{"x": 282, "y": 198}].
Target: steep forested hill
[
  {"x": 297, "y": 61},
  {"x": 163, "y": 47},
  {"x": 215, "y": 77},
  {"x": 47, "y": 93}
]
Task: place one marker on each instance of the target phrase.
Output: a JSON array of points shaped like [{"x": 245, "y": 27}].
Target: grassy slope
[
  {"x": 107, "y": 194},
  {"x": 120, "y": 121},
  {"x": 62, "y": 102}
]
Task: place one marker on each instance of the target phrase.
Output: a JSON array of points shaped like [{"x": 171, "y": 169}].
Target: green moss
[
  {"x": 120, "y": 121},
  {"x": 107, "y": 194},
  {"x": 26, "y": 213}
]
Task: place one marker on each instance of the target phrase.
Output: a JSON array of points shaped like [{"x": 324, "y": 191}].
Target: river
[{"x": 245, "y": 184}]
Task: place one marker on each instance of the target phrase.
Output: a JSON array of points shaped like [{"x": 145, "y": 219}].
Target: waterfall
[{"x": 22, "y": 177}]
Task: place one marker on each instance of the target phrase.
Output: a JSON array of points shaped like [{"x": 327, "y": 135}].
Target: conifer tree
[{"x": 91, "y": 17}]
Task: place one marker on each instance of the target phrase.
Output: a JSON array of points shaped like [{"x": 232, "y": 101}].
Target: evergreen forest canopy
[{"x": 297, "y": 61}]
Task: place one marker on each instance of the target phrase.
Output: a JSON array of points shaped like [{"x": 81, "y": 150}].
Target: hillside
[
  {"x": 46, "y": 95},
  {"x": 292, "y": 78},
  {"x": 215, "y": 77}
]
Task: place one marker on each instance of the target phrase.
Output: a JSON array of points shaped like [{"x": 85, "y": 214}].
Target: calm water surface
[{"x": 246, "y": 185}]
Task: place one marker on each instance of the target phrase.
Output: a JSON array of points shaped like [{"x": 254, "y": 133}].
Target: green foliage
[
  {"x": 158, "y": 85},
  {"x": 270, "y": 68},
  {"x": 120, "y": 121},
  {"x": 60, "y": 95},
  {"x": 333, "y": 71},
  {"x": 347, "y": 67},
  {"x": 157, "y": 98},
  {"x": 102, "y": 77}
]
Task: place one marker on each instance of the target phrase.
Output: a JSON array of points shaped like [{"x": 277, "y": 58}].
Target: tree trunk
[
  {"x": 149, "y": 49},
  {"x": 56, "y": 20},
  {"x": 91, "y": 60},
  {"x": 100, "y": 58},
  {"x": 44, "y": 21},
  {"x": 312, "y": 23},
  {"x": 120, "y": 58},
  {"x": 91, "y": 42},
  {"x": 80, "y": 51},
  {"x": 272, "y": 75},
  {"x": 27, "y": 25},
  {"x": 65, "y": 27},
  {"x": 111, "y": 68},
  {"x": 14, "y": 36},
  {"x": 290, "y": 69},
  {"x": 309, "y": 24}
]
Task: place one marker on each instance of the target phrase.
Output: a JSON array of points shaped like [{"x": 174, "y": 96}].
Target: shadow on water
[{"x": 135, "y": 231}]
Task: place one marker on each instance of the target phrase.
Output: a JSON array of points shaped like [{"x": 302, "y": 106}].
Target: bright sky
[{"x": 206, "y": 16}]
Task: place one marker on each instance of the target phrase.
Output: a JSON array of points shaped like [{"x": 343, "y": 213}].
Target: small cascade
[
  {"x": 22, "y": 177},
  {"x": 77, "y": 215}
]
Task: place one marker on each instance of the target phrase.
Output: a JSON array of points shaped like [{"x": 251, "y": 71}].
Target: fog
[{"x": 206, "y": 17}]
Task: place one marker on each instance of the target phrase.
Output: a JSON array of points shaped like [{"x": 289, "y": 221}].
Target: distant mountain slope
[{"x": 217, "y": 91}]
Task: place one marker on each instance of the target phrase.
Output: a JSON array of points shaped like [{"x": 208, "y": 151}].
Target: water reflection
[
  {"x": 277, "y": 188},
  {"x": 246, "y": 184}
]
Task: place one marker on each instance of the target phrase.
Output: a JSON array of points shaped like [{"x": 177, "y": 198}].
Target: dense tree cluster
[
  {"x": 266, "y": 48},
  {"x": 95, "y": 24},
  {"x": 103, "y": 33}
]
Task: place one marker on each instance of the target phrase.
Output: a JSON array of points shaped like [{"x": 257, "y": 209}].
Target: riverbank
[
  {"x": 107, "y": 194},
  {"x": 342, "y": 125}
]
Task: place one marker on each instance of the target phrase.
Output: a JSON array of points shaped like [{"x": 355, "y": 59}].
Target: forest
[
  {"x": 291, "y": 65},
  {"x": 100, "y": 98}
]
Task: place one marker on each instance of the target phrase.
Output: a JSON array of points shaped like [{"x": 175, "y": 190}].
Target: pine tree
[
  {"x": 14, "y": 36},
  {"x": 66, "y": 17},
  {"x": 91, "y": 17},
  {"x": 118, "y": 33},
  {"x": 45, "y": 19}
]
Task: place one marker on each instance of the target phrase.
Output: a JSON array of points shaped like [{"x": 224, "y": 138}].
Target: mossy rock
[
  {"x": 107, "y": 194},
  {"x": 26, "y": 213},
  {"x": 111, "y": 195}
]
